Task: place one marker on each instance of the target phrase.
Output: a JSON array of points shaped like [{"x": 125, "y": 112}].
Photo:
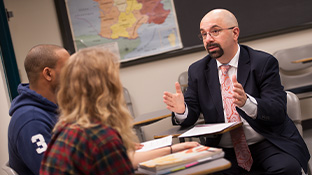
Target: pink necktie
[{"x": 242, "y": 152}]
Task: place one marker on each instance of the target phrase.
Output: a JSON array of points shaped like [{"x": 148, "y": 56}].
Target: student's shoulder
[
  {"x": 105, "y": 133},
  {"x": 30, "y": 116},
  {"x": 100, "y": 134}
]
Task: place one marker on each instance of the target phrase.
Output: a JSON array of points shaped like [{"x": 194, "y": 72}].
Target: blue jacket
[{"x": 33, "y": 118}]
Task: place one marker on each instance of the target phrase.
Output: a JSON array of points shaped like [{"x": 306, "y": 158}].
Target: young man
[
  {"x": 236, "y": 83},
  {"x": 34, "y": 110}
]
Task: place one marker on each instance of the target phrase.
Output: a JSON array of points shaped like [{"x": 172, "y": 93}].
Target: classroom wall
[
  {"x": 35, "y": 21},
  {"x": 5, "y": 118}
]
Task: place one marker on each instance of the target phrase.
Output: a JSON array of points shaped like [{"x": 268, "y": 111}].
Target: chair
[
  {"x": 149, "y": 131},
  {"x": 8, "y": 170},
  {"x": 296, "y": 69},
  {"x": 294, "y": 112},
  {"x": 183, "y": 81},
  {"x": 128, "y": 101}
]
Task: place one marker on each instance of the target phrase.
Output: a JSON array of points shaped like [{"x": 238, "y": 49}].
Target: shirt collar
[{"x": 234, "y": 60}]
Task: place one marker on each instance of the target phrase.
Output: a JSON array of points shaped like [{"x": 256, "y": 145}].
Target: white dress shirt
[{"x": 250, "y": 108}]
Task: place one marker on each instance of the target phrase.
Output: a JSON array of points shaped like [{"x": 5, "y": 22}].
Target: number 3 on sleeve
[{"x": 39, "y": 139}]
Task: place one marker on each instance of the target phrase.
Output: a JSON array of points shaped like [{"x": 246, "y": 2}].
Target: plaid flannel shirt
[{"x": 77, "y": 150}]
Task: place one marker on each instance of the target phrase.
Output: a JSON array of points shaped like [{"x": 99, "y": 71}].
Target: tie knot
[{"x": 225, "y": 68}]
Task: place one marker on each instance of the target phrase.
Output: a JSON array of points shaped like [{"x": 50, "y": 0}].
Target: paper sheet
[
  {"x": 157, "y": 143},
  {"x": 205, "y": 129}
]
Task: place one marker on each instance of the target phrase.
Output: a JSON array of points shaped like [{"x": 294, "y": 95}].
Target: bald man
[
  {"x": 34, "y": 110},
  {"x": 259, "y": 101}
]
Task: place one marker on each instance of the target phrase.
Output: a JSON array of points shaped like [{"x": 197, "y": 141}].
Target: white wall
[
  {"x": 35, "y": 21},
  {"x": 5, "y": 118}
]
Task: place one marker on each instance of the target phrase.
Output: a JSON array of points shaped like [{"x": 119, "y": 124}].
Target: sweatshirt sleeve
[{"x": 32, "y": 142}]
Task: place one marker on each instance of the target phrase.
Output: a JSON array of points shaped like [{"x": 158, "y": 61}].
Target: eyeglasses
[{"x": 212, "y": 33}]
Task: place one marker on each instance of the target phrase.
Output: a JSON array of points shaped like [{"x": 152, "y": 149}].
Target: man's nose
[{"x": 209, "y": 38}]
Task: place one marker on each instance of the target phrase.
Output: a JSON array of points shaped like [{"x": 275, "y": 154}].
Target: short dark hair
[{"x": 39, "y": 57}]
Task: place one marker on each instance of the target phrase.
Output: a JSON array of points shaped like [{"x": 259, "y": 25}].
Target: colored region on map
[{"x": 130, "y": 28}]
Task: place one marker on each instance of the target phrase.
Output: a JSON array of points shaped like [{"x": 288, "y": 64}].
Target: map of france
[
  {"x": 131, "y": 29},
  {"x": 122, "y": 18}
]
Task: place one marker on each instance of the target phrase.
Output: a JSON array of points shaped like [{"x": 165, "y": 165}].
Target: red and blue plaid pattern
[{"x": 77, "y": 150}]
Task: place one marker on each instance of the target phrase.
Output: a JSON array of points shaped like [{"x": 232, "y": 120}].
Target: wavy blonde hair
[{"x": 91, "y": 92}]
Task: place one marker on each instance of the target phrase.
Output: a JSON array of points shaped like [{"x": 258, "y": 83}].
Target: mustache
[{"x": 212, "y": 45}]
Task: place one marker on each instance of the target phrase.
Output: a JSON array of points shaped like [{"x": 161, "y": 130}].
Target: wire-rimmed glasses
[{"x": 212, "y": 33}]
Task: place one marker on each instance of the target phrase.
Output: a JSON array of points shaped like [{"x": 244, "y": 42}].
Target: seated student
[
  {"x": 34, "y": 110},
  {"x": 94, "y": 133}
]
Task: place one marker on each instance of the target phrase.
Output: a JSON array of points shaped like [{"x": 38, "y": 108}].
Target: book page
[
  {"x": 157, "y": 143},
  {"x": 205, "y": 129}
]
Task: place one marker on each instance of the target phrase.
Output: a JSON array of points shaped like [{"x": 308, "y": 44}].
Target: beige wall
[
  {"x": 35, "y": 21},
  {"x": 5, "y": 118}
]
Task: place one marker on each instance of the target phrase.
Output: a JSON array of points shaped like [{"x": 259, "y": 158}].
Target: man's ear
[
  {"x": 236, "y": 32},
  {"x": 47, "y": 73}
]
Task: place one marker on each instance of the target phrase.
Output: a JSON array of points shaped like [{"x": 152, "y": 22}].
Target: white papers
[
  {"x": 157, "y": 143},
  {"x": 205, "y": 129}
]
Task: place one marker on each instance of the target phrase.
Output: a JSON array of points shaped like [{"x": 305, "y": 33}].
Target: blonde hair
[{"x": 91, "y": 92}]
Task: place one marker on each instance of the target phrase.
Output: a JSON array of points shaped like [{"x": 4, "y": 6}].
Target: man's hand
[
  {"x": 239, "y": 94},
  {"x": 175, "y": 102}
]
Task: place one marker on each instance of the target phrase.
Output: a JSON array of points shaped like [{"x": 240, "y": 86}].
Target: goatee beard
[{"x": 217, "y": 53}]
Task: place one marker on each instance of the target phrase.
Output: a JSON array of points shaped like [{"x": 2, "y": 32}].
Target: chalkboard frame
[{"x": 200, "y": 10}]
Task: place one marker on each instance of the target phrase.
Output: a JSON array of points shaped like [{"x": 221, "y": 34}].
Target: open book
[
  {"x": 180, "y": 160},
  {"x": 206, "y": 129}
]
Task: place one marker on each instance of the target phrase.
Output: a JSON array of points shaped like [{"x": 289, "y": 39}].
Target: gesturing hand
[
  {"x": 239, "y": 94},
  {"x": 175, "y": 102}
]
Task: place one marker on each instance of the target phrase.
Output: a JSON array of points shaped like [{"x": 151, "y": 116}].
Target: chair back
[
  {"x": 8, "y": 170},
  {"x": 128, "y": 101},
  {"x": 183, "y": 81},
  {"x": 296, "y": 68}
]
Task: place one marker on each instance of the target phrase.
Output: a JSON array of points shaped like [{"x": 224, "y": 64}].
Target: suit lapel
[
  {"x": 243, "y": 69},
  {"x": 212, "y": 78}
]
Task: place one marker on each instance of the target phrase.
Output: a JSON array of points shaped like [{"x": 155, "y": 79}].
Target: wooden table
[
  {"x": 205, "y": 168},
  {"x": 151, "y": 117}
]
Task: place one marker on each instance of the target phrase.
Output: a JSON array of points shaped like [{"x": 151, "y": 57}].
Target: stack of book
[{"x": 180, "y": 160}]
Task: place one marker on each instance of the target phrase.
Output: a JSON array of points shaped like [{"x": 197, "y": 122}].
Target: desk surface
[
  {"x": 151, "y": 117},
  {"x": 205, "y": 168},
  {"x": 305, "y": 60},
  {"x": 176, "y": 131}
]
